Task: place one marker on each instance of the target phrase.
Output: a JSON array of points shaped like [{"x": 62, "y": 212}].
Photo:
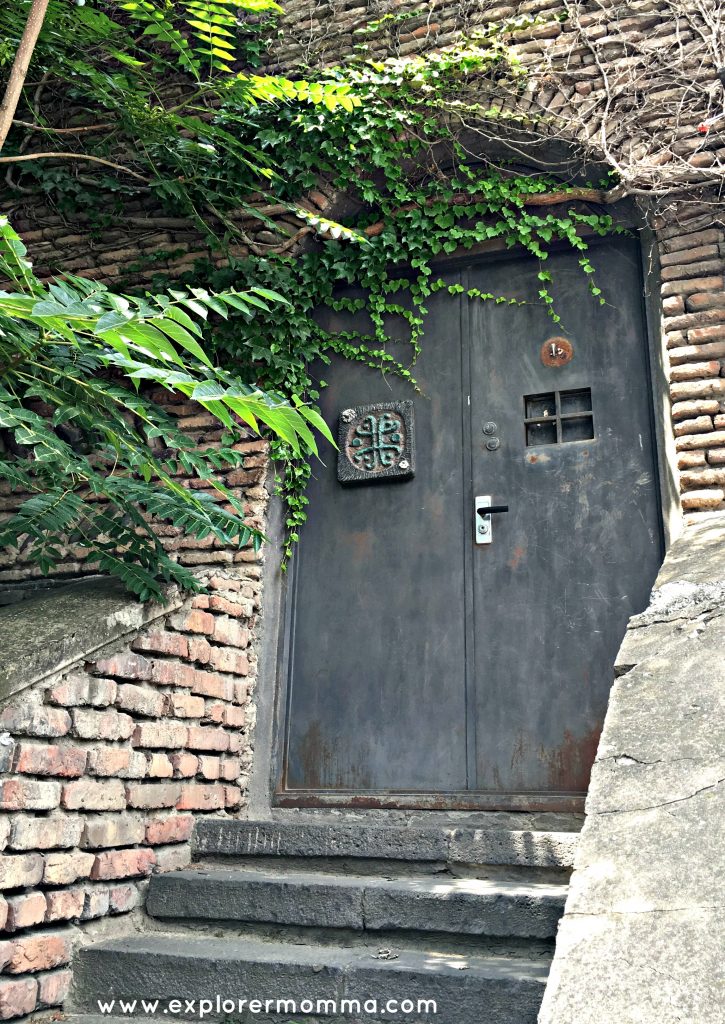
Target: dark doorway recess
[{"x": 422, "y": 667}]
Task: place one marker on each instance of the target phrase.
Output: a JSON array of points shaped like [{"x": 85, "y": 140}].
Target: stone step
[
  {"x": 431, "y": 903},
  {"x": 221, "y": 837},
  {"x": 466, "y": 989}
]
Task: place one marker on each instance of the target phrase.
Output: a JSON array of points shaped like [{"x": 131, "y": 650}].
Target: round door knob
[
  {"x": 492, "y": 444},
  {"x": 489, "y": 428}
]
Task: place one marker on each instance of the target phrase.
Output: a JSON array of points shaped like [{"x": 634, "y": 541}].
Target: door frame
[{"x": 271, "y": 696}]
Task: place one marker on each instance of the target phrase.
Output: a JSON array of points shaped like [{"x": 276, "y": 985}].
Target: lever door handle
[{"x": 482, "y": 519}]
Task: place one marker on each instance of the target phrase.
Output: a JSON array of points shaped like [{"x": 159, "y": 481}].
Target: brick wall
[{"x": 103, "y": 771}]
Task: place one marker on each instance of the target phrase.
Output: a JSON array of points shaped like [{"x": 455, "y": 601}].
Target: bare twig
[{"x": 73, "y": 156}]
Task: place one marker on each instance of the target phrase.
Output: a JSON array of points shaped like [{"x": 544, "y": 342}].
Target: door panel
[
  {"x": 377, "y": 659},
  {"x": 577, "y": 552},
  {"x": 421, "y": 668}
]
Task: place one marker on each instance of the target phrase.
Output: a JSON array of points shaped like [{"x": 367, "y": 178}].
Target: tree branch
[
  {"x": 20, "y": 67},
  {"x": 73, "y": 156},
  {"x": 63, "y": 131}
]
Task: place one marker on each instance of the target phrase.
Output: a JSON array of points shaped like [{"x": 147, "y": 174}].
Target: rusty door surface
[{"x": 422, "y": 666}]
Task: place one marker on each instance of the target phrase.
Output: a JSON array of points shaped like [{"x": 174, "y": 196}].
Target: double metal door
[{"x": 437, "y": 654}]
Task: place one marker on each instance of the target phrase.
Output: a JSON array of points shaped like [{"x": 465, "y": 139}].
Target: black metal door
[{"x": 428, "y": 662}]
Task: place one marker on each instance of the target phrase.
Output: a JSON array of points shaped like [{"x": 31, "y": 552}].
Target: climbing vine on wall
[{"x": 203, "y": 135}]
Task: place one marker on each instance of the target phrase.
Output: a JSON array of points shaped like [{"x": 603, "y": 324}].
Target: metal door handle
[{"x": 483, "y": 512}]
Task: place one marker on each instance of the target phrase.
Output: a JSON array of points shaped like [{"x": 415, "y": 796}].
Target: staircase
[{"x": 317, "y": 913}]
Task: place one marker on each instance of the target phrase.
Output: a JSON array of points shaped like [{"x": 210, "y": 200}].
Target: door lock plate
[{"x": 484, "y": 533}]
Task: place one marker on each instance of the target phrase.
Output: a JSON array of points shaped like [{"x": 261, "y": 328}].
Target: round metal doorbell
[{"x": 557, "y": 352}]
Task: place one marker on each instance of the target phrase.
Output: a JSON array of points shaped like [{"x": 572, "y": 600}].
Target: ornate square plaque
[{"x": 376, "y": 443}]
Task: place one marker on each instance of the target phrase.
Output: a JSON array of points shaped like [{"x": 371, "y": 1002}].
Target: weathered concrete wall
[
  {"x": 643, "y": 933},
  {"x": 119, "y": 724}
]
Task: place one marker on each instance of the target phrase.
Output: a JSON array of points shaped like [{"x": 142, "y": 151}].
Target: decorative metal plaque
[{"x": 376, "y": 442}]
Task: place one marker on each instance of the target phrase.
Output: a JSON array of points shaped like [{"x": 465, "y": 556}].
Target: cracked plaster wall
[{"x": 643, "y": 932}]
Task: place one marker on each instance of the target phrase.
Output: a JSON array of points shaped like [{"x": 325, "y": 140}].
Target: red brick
[
  {"x": 171, "y": 858},
  {"x": 176, "y": 828},
  {"x": 229, "y": 631},
  {"x": 686, "y": 460},
  {"x": 117, "y": 761},
  {"x": 183, "y": 705},
  {"x": 88, "y": 795},
  {"x": 31, "y": 833},
  {"x": 687, "y": 410},
  {"x": 22, "y": 870},
  {"x": 112, "y": 830},
  {"x": 163, "y": 642},
  {"x": 159, "y": 766},
  {"x": 231, "y": 769},
  {"x": 713, "y": 387},
  {"x": 232, "y": 797},
  {"x": 97, "y": 902},
  {"x": 102, "y": 725},
  {"x": 18, "y": 997},
  {"x": 697, "y": 426},
  {"x": 25, "y": 910},
  {"x": 704, "y": 335},
  {"x": 160, "y": 734},
  {"x": 199, "y": 797},
  {"x": 32, "y": 759},
  {"x": 236, "y": 741},
  {"x": 33, "y": 720},
  {"x": 172, "y": 673},
  {"x": 199, "y": 650},
  {"x": 195, "y": 621},
  {"x": 66, "y": 868},
  {"x": 122, "y": 898},
  {"x": 706, "y": 300},
  {"x": 688, "y": 353},
  {"x": 27, "y": 794},
  {"x": 200, "y": 601},
  {"x": 695, "y": 371},
  {"x": 241, "y": 692},
  {"x": 140, "y": 700},
  {"x": 201, "y": 738},
  {"x": 64, "y": 904},
  {"x": 39, "y": 952},
  {"x": 53, "y": 988},
  {"x": 226, "y": 660},
  {"x": 227, "y": 714},
  {"x": 705, "y": 499},
  {"x": 185, "y": 765},
  {"x": 81, "y": 689},
  {"x": 713, "y": 440},
  {"x": 153, "y": 795},
  {"x": 209, "y": 767},
  {"x": 126, "y": 666},
  {"x": 210, "y": 684},
  {"x": 222, "y": 604},
  {"x": 122, "y": 864},
  {"x": 673, "y": 305}
]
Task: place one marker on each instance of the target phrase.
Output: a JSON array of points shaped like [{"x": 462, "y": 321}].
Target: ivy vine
[{"x": 385, "y": 134}]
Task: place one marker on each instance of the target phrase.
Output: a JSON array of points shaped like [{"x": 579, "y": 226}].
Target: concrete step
[
  {"x": 430, "y": 903},
  {"x": 466, "y": 989},
  {"x": 222, "y": 837}
]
